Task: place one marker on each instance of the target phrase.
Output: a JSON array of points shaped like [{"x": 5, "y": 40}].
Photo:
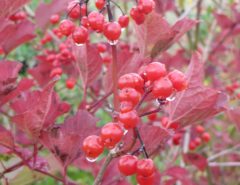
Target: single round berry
[
  {"x": 146, "y": 6},
  {"x": 84, "y": 21},
  {"x": 137, "y": 16},
  {"x": 129, "y": 94},
  {"x": 197, "y": 141},
  {"x": 74, "y": 10},
  {"x": 145, "y": 180},
  {"x": 206, "y": 137},
  {"x": 80, "y": 35},
  {"x": 107, "y": 59},
  {"x": 93, "y": 146},
  {"x": 54, "y": 19},
  {"x": 96, "y": 20},
  {"x": 123, "y": 21},
  {"x": 127, "y": 164},
  {"x": 132, "y": 80},
  {"x": 145, "y": 167},
  {"x": 178, "y": 79},
  {"x": 100, "y": 4},
  {"x": 152, "y": 117},
  {"x": 155, "y": 71},
  {"x": 56, "y": 72},
  {"x": 70, "y": 83},
  {"x": 101, "y": 48},
  {"x": 129, "y": 119},
  {"x": 66, "y": 27},
  {"x": 192, "y": 145},
  {"x": 176, "y": 138},
  {"x": 200, "y": 129},
  {"x": 162, "y": 88},
  {"x": 112, "y": 31},
  {"x": 126, "y": 106},
  {"x": 111, "y": 134}
]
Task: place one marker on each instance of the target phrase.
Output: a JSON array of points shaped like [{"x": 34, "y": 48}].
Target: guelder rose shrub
[{"x": 119, "y": 92}]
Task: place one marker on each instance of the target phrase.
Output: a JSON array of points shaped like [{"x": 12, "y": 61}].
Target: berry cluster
[
  {"x": 143, "y": 168},
  {"x": 198, "y": 137}
]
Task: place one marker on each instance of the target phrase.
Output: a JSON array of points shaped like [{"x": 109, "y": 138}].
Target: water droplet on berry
[
  {"x": 91, "y": 159},
  {"x": 171, "y": 98},
  {"x": 112, "y": 42},
  {"x": 78, "y": 44}
]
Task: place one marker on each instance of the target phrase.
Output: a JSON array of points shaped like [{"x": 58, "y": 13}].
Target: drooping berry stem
[{"x": 142, "y": 143}]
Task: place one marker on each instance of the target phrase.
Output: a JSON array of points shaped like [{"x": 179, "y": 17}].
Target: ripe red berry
[
  {"x": 145, "y": 180},
  {"x": 18, "y": 16},
  {"x": 100, "y": 4},
  {"x": 200, "y": 129},
  {"x": 84, "y": 21},
  {"x": 176, "y": 139},
  {"x": 96, "y": 21},
  {"x": 145, "y": 167},
  {"x": 162, "y": 88},
  {"x": 80, "y": 35},
  {"x": 101, "y": 48},
  {"x": 132, "y": 80},
  {"x": 127, "y": 164},
  {"x": 155, "y": 70},
  {"x": 112, "y": 31},
  {"x": 123, "y": 21},
  {"x": 56, "y": 72},
  {"x": 146, "y": 6},
  {"x": 129, "y": 119},
  {"x": 107, "y": 59},
  {"x": 66, "y": 27},
  {"x": 70, "y": 83},
  {"x": 137, "y": 16},
  {"x": 206, "y": 137},
  {"x": 129, "y": 94},
  {"x": 178, "y": 80},
  {"x": 126, "y": 106},
  {"x": 51, "y": 57},
  {"x": 73, "y": 10},
  {"x": 93, "y": 146},
  {"x": 192, "y": 145},
  {"x": 197, "y": 141},
  {"x": 111, "y": 134},
  {"x": 54, "y": 19},
  {"x": 152, "y": 117}
]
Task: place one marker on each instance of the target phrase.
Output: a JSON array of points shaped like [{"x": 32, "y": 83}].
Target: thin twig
[{"x": 142, "y": 143}]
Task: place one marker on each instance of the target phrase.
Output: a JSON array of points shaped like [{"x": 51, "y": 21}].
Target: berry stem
[
  {"x": 150, "y": 112},
  {"x": 142, "y": 143}
]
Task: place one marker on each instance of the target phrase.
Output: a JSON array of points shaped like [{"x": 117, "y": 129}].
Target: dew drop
[
  {"x": 171, "y": 98},
  {"x": 112, "y": 42},
  {"x": 91, "y": 159},
  {"x": 78, "y": 44}
]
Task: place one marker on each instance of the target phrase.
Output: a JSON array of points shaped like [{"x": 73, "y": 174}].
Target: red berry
[
  {"x": 56, "y": 72},
  {"x": 145, "y": 180},
  {"x": 152, "y": 117},
  {"x": 129, "y": 119},
  {"x": 146, "y": 6},
  {"x": 178, "y": 79},
  {"x": 51, "y": 57},
  {"x": 145, "y": 167},
  {"x": 100, "y": 4},
  {"x": 129, "y": 94},
  {"x": 70, "y": 83},
  {"x": 18, "y": 16},
  {"x": 127, "y": 164},
  {"x": 74, "y": 10},
  {"x": 123, "y": 21},
  {"x": 126, "y": 106},
  {"x": 66, "y": 27},
  {"x": 164, "y": 121},
  {"x": 54, "y": 19},
  {"x": 132, "y": 80},
  {"x": 206, "y": 137},
  {"x": 162, "y": 88},
  {"x": 155, "y": 70},
  {"x": 101, "y": 48},
  {"x": 84, "y": 21},
  {"x": 200, "y": 129},
  {"x": 80, "y": 35},
  {"x": 107, "y": 59},
  {"x": 174, "y": 125},
  {"x": 112, "y": 31},
  {"x": 111, "y": 134},
  {"x": 137, "y": 16},
  {"x": 96, "y": 21},
  {"x": 192, "y": 145},
  {"x": 197, "y": 141},
  {"x": 93, "y": 146},
  {"x": 176, "y": 139}
]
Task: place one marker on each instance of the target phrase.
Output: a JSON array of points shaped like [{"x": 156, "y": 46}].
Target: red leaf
[
  {"x": 162, "y": 6},
  {"x": 65, "y": 140},
  {"x": 13, "y": 35},
  {"x": 45, "y": 11},
  {"x": 223, "y": 21},
  {"x": 8, "y": 76},
  {"x": 88, "y": 63},
  {"x": 6, "y": 138},
  {"x": 196, "y": 159},
  {"x": 23, "y": 85},
  {"x": 10, "y": 6},
  {"x": 234, "y": 116},
  {"x": 38, "y": 110},
  {"x": 197, "y": 103}
]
